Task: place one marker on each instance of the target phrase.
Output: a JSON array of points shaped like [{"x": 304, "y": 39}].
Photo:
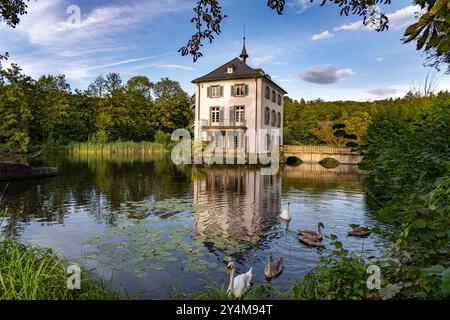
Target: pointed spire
[{"x": 244, "y": 54}]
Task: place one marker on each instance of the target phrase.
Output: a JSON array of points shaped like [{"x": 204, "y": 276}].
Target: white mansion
[{"x": 239, "y": 109}]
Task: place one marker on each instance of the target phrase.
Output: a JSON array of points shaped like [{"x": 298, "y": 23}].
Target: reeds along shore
[{"x": 117, "y": 149}]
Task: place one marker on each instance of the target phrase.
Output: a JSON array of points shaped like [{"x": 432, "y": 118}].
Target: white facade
[{"x": 239, "y": 112}]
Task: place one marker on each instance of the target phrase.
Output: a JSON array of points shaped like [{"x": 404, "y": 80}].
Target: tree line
[
  {"x": 35, "y": 113},
  {"x": 311, "y": 122},
  {"x": 46, "y": 112}
]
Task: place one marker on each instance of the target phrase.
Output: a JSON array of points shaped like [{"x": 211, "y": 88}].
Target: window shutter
[
  {"x": 221, "y": 91},
  {"x": 222, "y": 116},
  {"x": 232, "y": 114},
  {"x": 220, "y": 138},
  {"x": 230, "y": 139},
  {"x": 208, "y": 92},
  {"x": 233, "y": 91},
  {"x": 246, "y": 89},
  {"x": 209, "y": 136}
]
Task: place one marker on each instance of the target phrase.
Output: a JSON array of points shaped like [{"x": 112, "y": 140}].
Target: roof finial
[{"x": 244, "y": 54}]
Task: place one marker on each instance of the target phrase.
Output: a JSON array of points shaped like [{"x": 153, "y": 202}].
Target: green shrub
[{"x": 163, "y": 138}]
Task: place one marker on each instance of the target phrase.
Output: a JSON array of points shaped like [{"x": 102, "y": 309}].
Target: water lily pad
[{"x": 149, "y": 245}]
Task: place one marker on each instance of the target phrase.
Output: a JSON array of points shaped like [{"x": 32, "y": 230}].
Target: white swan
[
  {"x": 240, "y": 284},
  {"x": 286, "y": 215}
]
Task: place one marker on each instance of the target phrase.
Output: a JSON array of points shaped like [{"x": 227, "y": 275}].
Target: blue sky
[{"x": 311, "y": 51}]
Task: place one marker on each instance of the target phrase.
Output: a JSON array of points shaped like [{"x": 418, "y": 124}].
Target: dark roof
[{"x": 241, "y": 71}]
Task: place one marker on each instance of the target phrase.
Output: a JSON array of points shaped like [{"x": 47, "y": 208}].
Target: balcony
[{"x": 226, "y": 124}]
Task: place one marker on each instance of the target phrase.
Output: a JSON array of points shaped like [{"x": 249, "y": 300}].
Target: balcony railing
[{"x": 227, "y": 123}]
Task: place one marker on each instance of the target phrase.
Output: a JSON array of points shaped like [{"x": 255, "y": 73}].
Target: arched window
[
  {"x": 274, "y": 118},
  {"x": 279, "y": 99},
  {"x": 279, "y": 120},
  {"x": 274, "y": 96},
  {"x": 267, "y": 93},
  {"x": 268, "y": 142},
  {"x": 267, "y": 117}
]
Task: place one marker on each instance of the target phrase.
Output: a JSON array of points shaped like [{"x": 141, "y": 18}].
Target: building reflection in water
[{"x": 238, "y": 203}]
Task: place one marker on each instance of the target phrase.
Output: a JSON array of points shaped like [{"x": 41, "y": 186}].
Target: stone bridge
[{"x": 315, "y": 154}]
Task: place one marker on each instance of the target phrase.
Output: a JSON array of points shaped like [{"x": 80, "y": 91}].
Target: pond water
[{"x": 154, "y": 228}]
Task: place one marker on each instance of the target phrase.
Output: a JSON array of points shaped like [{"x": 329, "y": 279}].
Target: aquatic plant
[{"x": 151, "y": 244}]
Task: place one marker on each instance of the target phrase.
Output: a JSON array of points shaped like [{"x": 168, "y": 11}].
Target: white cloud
[
  {"x": 175, "y": 67},
  {"x": 47, "y": 43},
  {"x": 258, "y": 61},
  {"x": 397, "y": 20},
  {"x": 76, "y": 71},
  {"x": 379, "y": 59},
  {"x": 286, "y": 80},
  {"x": 350, "y": 26},
  {"x": 300, "y": 5},
  {"x": 404, "y": 17},
  {"x": 325, "y": 74},
  {"x": 280, "y": 63},
  {"x": 119, "y": 63},
  {"x": 322, "y": 36},
  {"x": 383, "y": 91},
  {"x": 46, "y": 23}
]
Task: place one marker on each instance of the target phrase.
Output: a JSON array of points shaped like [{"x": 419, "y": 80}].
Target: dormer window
[{"x": 230, "y": 70}]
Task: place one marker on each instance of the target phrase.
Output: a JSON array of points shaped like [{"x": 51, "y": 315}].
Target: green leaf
[
  {"x": 445, "y": 286},
  {"x": 411, "y": 29},
  {"x": 444, "y": 46},
  {"x": 420, "y": 224},
  {"x": 423, "y": 38},
  {"x": 441, "y": 234},
  {"x": 435, "y": 270},
  {"x": 434, "y": 40}
]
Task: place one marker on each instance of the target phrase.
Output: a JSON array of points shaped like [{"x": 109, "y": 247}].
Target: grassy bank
[{"x": 30, "y": 273}]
